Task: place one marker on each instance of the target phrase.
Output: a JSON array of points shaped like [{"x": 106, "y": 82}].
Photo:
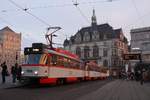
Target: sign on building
[{"x": 132, "y": 56}]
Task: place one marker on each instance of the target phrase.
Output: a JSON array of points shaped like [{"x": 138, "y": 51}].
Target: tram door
[{"x": 45, "y": 60}]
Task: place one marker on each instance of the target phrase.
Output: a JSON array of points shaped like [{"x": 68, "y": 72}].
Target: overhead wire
[
  {"x": 137, "y": 10},
  {"x": 82, "y": 14},
  {"x": 138, "y": 19},
  {"x": 26, "y": 10},
  {"x": 61, "y": 5},
  {"x": 76, "y": 3},
  {"x": 8, "y": 24}
]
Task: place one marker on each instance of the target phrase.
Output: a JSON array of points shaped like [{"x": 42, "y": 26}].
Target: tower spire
[{"x": 94, "y": 21}]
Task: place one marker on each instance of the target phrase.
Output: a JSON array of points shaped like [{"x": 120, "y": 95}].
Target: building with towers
[{"x": 99, "y": 43}]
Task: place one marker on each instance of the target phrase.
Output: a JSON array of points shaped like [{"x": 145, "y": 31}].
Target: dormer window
[
  {"x": 78, "y": 38},
  {"x": 86, "y": 36},
  {"x": 95, "y": 35},
  {"x": 105, "y": 36}
]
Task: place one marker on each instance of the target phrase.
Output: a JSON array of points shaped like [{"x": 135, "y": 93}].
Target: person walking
[
  {"x": 142, "y": 76},
  {"x": 14, "y": 73},
  {"x": 4, "y": 71},
  {"x": 19, "y": 73}
]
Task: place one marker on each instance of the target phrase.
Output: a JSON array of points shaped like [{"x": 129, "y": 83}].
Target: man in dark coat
[
  {"x": 14, "y": 73},
  {"x": 4, "y": 71},
  {"x": 19, "y": 73}
]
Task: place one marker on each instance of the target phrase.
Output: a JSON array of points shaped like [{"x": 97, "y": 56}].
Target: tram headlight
[
  {"x": 35, "y": 72},
  {"x": 22, "y": 72}
]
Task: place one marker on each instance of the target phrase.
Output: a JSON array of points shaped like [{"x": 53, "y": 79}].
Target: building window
[
  {"x": 86, "y": 52},
  {"x": 105, "y": 63},
  {"x": 78, "y": 38},
  {"x": 105, "y": 52},
  {"x": 78, "y": 51},
  {"x": 95, "y": 51},
  {"x": 95, "y": 35},
  {"x": 105, "y": 36},
  {"x": 114, "y": 52},
  {"x": 86, "y": 37}
]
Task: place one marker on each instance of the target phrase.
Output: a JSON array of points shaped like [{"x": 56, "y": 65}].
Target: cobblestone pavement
[
  {"x": 120, "y": 90},
  {"x": 96, "y": 90},
  {"x": 8, "y": 83},
  {"x": 71, "y": 91}
]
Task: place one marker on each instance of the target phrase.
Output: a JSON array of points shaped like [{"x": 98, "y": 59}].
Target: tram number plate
[{"x": 30, "y": 71}]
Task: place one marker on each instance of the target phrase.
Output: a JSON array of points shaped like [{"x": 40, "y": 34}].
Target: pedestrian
[
  {"x": 14, "y": 73},
  {"x": 142, "y": 76},
  {"x": 137, "y": 75},
  {"x": 132, "y": 76},
  {"x": 4, "y": 71},
  {"x": 19, "y": 73}
]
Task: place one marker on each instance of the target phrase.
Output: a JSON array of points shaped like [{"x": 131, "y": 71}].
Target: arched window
[
  {"x": 78, "y": 51},
  {"x": 86, "y": 52},
  {"x": 105, "y": 63},
  {"x": 95, "y": 51}
]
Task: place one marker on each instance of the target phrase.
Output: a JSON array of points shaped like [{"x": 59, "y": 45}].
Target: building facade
[
  {"x": 140, "y": 38},
  {"x": 10, "y": 46},
  {"x": 99, "y": 43}
]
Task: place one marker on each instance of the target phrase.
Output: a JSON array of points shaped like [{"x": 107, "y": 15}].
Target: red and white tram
[{"x": 56, "y": 66}]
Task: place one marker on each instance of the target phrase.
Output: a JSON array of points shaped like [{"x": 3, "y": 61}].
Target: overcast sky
[{"x": 125, "y": 14}]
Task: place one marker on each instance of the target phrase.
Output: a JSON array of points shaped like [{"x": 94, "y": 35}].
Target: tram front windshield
[{"x": 35, "y": 59}]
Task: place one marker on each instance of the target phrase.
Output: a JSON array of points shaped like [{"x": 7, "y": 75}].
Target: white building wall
[
  {"x": 102, "y": 44},
  {"x": 140, "y": 38}
]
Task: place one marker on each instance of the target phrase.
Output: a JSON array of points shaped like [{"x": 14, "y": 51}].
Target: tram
[{"x": 55, "y": 65}]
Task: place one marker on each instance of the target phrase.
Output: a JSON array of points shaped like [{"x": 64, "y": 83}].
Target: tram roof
[{"x": 60, "y": 54}]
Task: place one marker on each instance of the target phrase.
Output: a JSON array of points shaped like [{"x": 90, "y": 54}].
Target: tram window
[
  {"x": 65, "y": 61},
  {"x": 73, "y": 64},
  {"x": 43, "y": 59},
  {"x": 81, "y": 65},
  {"x": 54, "y": 60},
  {"x": 65, "y": 64},
  {"x": 48, "y": 60},
  {"x": 59, "y": 60},
  {"x": 69, "y": 62}
]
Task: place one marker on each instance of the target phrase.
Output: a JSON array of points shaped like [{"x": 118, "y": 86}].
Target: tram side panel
[
  {"x": 58, "y": 72},
  {"x": 94, "y": 74}
]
